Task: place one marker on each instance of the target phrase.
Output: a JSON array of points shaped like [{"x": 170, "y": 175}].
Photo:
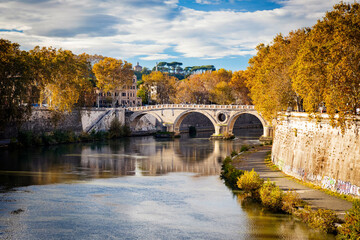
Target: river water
[{"x": 135, "y": 188}]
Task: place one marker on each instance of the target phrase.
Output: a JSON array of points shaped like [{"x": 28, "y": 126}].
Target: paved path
[{"x": 315, "y": 198}]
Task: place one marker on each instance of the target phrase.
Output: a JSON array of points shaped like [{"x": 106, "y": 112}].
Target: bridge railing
[{"x": 190, "y": 106}]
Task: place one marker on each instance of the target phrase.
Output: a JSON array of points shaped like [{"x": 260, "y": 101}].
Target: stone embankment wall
[
  {"x": 43, "y": 120},
  {"x": 99, "y": 119},
  {"x": 313, "y": 151}
]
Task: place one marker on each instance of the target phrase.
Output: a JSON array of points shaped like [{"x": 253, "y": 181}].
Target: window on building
[{"x": 123, "y": 94}]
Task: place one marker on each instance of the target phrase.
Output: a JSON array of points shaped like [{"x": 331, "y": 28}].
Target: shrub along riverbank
[
  {"x": 273, "y": 198},
  {"x": 28, "y": 138}
]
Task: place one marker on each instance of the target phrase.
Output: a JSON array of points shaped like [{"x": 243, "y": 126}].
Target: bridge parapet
[{"x": 190, "y": 106}]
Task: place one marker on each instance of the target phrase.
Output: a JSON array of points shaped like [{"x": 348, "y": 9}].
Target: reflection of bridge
[
  {"x": 223, "y": 117},
  {"x": 150, "y": 157}
]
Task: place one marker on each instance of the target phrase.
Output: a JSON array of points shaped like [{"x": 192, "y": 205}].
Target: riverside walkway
[{"x": 254, "y": 159}]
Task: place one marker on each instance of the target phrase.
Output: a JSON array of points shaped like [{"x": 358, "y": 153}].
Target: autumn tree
[
  {"x": 268, "y": 76},
  {"x": 222, "y": 94},
  {"x": 327, "y": 70},
  {"x": 218, "y": 84},
  {"x": 112, "y": 74},
  {"x": 87, "y": 84},
  {"x": 239, "y": 88},
  {"x": 62, "y": 78},
  {"x": 192, "y": 90},
  {"x": 16, "y": 84},
  {"x": 161, "y": 86}
]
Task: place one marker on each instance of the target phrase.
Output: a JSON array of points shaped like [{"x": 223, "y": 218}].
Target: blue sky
[{"x": 223, "y": 33}]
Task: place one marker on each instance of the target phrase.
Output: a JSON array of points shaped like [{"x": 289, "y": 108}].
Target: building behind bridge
[{"x": 122, "y": 96}]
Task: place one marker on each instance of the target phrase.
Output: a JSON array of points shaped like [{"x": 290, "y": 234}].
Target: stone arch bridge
[{"x": 223, "y": 117}]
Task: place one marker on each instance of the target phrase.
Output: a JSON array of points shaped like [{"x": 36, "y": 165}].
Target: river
[{"x": 134, "y": 188}]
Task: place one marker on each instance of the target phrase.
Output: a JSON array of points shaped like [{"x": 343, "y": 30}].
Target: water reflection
[
  {"x": 267, "y": 225},
  {"x": 137, "y": 188},
  {"x": 141, "y": 155}
]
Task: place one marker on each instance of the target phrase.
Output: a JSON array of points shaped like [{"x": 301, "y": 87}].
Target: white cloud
[
  {"x": 208, "y": 1},
  {"x": 157, "y": 57},
  {"x": 152, "y": 30}
]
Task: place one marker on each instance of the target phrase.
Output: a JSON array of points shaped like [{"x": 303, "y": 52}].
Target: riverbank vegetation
[
  {"x": 229, "y": 173},
  {"x": 273, "y": 198}
]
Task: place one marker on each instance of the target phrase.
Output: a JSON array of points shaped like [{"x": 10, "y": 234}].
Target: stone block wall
[
  {"x": 41, "y": 121},
  {"x": 313, "y": 151},
  {"x": 99, "y": 119}
]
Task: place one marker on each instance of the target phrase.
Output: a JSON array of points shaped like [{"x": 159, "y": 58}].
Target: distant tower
[
  {"x": 137, "y": 68},
  {"x": 156, "y": 69}
]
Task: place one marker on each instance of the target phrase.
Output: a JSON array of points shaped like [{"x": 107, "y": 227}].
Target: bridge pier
[
  {"x": 268, "y": 132},
  {"x": 169, "y": 127}
]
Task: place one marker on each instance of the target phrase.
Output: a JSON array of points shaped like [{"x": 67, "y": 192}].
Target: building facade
[{"x": 124, "y": 96}]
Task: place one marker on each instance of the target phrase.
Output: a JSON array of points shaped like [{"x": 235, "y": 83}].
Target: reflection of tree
[
  {"x": 266, "y": 225},
  {"x": 44, "y": 165},
  {"x": 141, "y": 155},
  {"x": 191, "y": 152}
]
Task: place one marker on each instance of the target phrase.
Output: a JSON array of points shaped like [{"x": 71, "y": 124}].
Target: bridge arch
[
  {"x": 233, "y": 119},
  {"x": 135, "y": 117},
  {"x": 183, "y": 115}
]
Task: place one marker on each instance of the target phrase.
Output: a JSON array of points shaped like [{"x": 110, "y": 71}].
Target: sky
[{"x": 223, "y": 33}]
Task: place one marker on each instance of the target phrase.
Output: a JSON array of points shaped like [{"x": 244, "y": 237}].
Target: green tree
[
  {"x": 143, "y": 93},
  {"x": 161, "y": 66}
]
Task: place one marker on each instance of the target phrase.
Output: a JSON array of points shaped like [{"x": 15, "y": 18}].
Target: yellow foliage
[
  {"x": 112, "y": 73},
  {"x": 327, "y": 70},
  {"x": 162, "y": 85}
]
